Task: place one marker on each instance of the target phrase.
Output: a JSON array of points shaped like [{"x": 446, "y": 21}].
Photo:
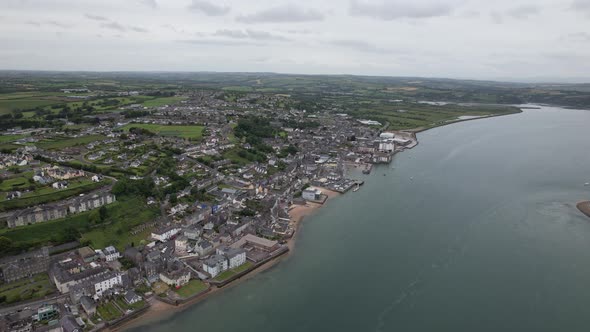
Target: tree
[{"x": 103, "y": 213}]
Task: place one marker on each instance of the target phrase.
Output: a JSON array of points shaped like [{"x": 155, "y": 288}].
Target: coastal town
[{"x": 111, "y": 216}]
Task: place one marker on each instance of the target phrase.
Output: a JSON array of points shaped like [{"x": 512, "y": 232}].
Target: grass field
[
  {"x": 192, "y": 132},
  {"x": 18, "y": 182},
  {"x": 60, "y": 143},
  {"x": 48, "y": 194},
  {"x": 10, "y": 138},
  {"x": 35, "y": 287},
  {"x": 230, "y": 273},
  {"x": 108, "y": 311},
  {"x": 193, "y": 287},
  {"x": 121, "y": 217},
  {"x": 157, "y": 102},
  {"x": 9, "y": 105},
  {"x": 125, "y": 214},
  {"x": 125, "y": 306}
]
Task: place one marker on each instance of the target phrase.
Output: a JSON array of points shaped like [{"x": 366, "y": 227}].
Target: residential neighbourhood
[{"x": 169, "y": 205}]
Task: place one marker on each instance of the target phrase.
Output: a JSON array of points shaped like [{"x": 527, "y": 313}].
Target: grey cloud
[
  {"x": 58, "y": 24},
  {"x": 397, "y": 9},
  {"x": 49, "y": 22},
  {"x": 138, "y": 29},
  {"x": 231, "y": 33},
  {"x": 33, "y": 23},
  {"x": 96, "y": 17},
  {"x": 249, "y": 34},
  {"x": 219, "y": 42},
  {"x": 359, "y": 45},
  {"x": 581, "y": 5},
  {"x": 150, "y": 3},
  {"x": 114, "y": 26},
  {"x": 282, "y": 14},
  {"x": 521, "y": 12},
  {"x": 577, "y": 37},
  {"x": 209, "y": 8}
]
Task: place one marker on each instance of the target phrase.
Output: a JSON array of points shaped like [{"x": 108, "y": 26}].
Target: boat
[
  {"x": 357, "y": 188},
  {"x": 587, "y": 184},
  {"x": 384, "y": 174}
]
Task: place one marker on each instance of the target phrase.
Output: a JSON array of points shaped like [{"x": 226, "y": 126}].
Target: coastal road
[{"x": 32, "y": 304}]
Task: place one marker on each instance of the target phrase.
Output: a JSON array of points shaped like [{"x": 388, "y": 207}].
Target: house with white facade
[
  {"x": 165, "y": 234},
  {"x": 111, "y": 254},
  {"x": 215, "y": 265},
  {"x": 176, "y": 278}
]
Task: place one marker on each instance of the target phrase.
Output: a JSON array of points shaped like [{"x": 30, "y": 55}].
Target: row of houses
[{"x": 49, "y": 212}]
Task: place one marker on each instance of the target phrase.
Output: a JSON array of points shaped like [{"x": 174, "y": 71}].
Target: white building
[
  {"x": 386, "y": 146},
  {"x": 176, "y": 278},
  {"x": 111, "y": 254},
  {"x": 165, "y": 234},
  {"x": 108, "y": 282},
  {"x": 215, "y": 265},
  {"x": 181, "y": 243},
  {"x": 311, "y": 194},
  {"x": 236, "y": 257}
]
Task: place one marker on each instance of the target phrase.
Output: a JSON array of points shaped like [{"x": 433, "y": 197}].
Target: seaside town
[{"x": 108, "y": 216}]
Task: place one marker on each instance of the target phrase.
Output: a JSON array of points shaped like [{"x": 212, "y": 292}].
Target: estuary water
[{"x": 475, "y": 229}]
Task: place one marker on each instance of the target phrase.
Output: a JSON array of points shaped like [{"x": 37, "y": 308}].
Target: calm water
[{"x": 486, "y": 237}]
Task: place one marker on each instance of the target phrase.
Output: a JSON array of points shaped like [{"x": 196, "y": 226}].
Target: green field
[
  {"x": 49, "y": 194},
  {"x": 193, "y": 287},
  {"x": 124, "y": 216},
  {"x": 230, "y": 273},
  {"x": 35, "y": 287},
  {"x": 60, "y": 143},
  {"x": 108, "y": 311},
  {"x": 15, "y": 183},
  {"x": 9, "y": 105},
  {"x": 121, "y": 303},
  {"x": 192, "y": 132},
  {"x": 121, "y": 217},
  {"x": 10, "y": 138},
  {"x": 157, "y": 102}
]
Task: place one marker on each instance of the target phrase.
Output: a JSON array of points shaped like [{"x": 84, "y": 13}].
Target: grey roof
[{"x": 214, "y": 260}]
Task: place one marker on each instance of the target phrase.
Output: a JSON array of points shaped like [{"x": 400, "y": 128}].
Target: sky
[{"x": 501, "y": 39}]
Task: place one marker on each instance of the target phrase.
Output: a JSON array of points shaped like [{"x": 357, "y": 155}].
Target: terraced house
[
  {"x": 90, "y": 202},
  {"x": 36, "y": 214},
  {"x": 14, "y": 268}
]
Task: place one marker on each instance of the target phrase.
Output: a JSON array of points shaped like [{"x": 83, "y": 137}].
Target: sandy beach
[{"x": 160, "y": 310}]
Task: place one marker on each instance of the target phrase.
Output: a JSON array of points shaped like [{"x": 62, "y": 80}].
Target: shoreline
[
  {"x": 584, "y": 207},
  {"x": 159, "y": 310}
]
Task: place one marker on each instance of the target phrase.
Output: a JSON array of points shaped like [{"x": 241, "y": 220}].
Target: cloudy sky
[{"x": 506, "y": 39}]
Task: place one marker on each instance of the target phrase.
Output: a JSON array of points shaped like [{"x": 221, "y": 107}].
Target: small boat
[
  {"x": 357, "y": 188},
  {"x": 411, "y": 178},
  {"x": 587, "y": 184},
  {"x": 384, "y": 174}
]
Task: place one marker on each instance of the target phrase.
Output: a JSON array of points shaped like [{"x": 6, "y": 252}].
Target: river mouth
[{"x": 475, "y": 229}]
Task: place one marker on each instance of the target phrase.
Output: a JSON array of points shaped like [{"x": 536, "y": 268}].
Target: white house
[
  {"x": 176, "y": 278},
  {"x": 236, "y": 257},
  {"x": 111, "y": 254},
  {"x": 181, "y": 243},
  {"x": 215, "y": 265},
  {"x": 109, "y": 281},
  {"x": 165, "y": 234}
]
